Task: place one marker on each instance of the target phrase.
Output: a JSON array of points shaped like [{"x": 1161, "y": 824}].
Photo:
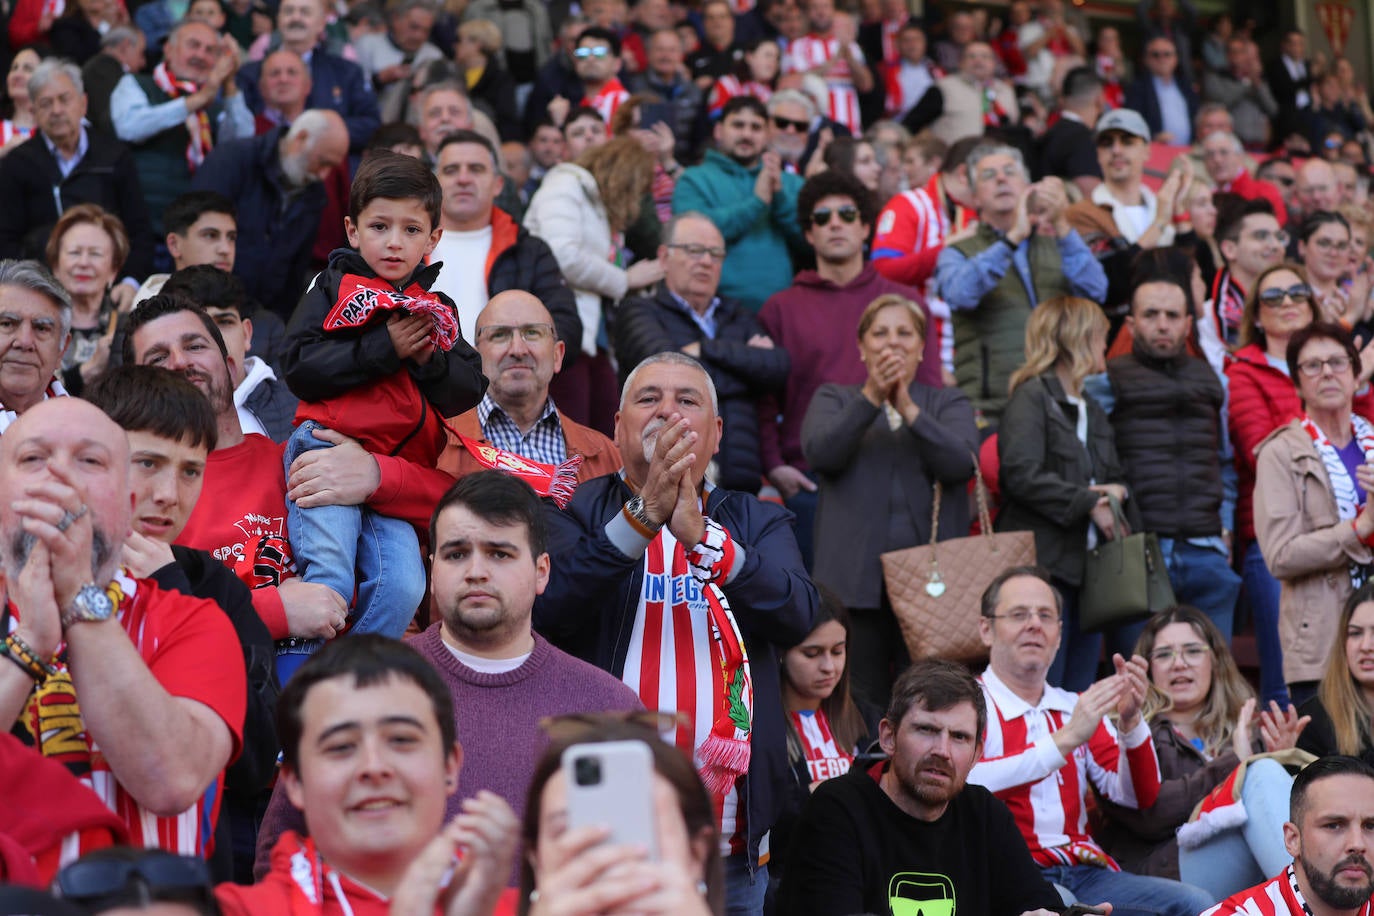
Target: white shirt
[
  {"x": 1297, "y": 69},
  {"x": 464, "y": 274},
  {"x": 487, "y": 665},
  {"x": 1132, "y": 219}
]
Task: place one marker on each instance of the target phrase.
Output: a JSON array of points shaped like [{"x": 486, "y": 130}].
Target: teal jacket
[{"x": 759, "y": 237}]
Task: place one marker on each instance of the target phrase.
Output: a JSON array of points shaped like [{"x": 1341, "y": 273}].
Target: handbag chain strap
[{"x": 980, "y": 491}]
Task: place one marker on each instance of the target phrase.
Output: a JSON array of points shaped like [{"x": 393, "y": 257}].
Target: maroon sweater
[
  {"x": 817, "y": 323},
  {"x": 498, "y": 717}
]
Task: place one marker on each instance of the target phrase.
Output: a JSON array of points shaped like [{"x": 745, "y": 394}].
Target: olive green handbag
[{"x": 1124, "y": 580}]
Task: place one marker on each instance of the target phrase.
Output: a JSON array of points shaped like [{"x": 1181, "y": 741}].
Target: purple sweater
[
  {"x": 497, "y": 716},
  {"x": 817, "y": 323}
]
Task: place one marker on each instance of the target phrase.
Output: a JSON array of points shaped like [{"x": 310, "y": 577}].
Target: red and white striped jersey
[
  {"x": 670, "y": 660},
  {"x": 824, "y": 758},
  {"x": 1023, "y": 767},
  {"x": 608, "y": 100},
  {"x": 812, "y": 51},
  {"x": 1279, "y": 896}
]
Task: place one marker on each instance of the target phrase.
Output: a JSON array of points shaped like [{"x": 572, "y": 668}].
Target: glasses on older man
[
  {"x": 502, "y": 333},
  {"x": 699, "y": 252}
]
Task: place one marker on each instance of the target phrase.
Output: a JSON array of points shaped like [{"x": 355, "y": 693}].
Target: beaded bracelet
[{"x": 23, "y": 655}]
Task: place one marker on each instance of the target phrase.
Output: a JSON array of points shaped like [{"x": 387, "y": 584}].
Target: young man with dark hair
[
  {"x": 202, "y": 228},
  {"x": 371, "y": 758},
  {"x": 596, "y": 60},
  {"x": 172, "y": 429},
  {"x": 1251, "y": 240},
  {"x": 863, "y": 835},
  {"x": 1329, "y": 834}
]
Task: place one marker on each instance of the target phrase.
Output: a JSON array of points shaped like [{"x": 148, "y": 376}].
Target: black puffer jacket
[
  {"x": 1167, "y": 421},
  {"x": 648, "y": 325}
]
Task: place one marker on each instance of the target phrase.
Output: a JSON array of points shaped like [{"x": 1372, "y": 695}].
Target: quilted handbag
[{"x": 936, "y": 591}]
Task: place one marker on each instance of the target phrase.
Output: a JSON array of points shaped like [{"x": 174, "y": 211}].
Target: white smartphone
[{"x": 610, "y": 784}]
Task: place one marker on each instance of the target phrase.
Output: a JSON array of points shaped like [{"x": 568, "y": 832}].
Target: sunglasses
[
  {"x": 1274, "y": 296},
  {"x": 598, "y": 51},
  {"x": 800, "y": 127},
  {"x": 162, "y": 874},
  {"x": 847, "y": 214}
]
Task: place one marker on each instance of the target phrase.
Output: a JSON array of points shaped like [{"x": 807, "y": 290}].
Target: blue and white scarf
[{"x": 1343, "y": 488}]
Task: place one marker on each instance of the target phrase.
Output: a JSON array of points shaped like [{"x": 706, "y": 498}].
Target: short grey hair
[
  {"x": 1232, "y": 140},
  {"x": 50, "y": 68},
  {"x": 33, "y": 276},
  {"x": 984, "y": 150},
  {"x": 677, "y": 359},
  {"x": 119, "y": 35},
  {"x": 670, "y": 230},
  {"x": 796, "y": 97},
  {"x": 313, "y": 122},
  {"x": 401, "y": 7}
]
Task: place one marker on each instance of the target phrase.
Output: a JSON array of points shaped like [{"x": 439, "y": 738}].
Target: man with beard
[
  {"x": 749, "y": 197},
  {"x": 864, "y": 835},
  {"x": 1329, "y": 834},
  {"x": 241, "y": 514},
  {"x": 145, "y": 702},
  {"x": 1045, "y": 745},
  {"x": 276, "y": 182}
]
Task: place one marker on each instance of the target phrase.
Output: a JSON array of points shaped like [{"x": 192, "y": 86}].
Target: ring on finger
[{"x": 68, "y": 517}]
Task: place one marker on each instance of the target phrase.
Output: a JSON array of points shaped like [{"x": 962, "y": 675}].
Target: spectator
[
  {"x": 756, "y": 75},
  {"x": 1290, "y": 77},
  {"x": 888, "y": 441},
  {"x": 1348, "y": 181},
  {"x": 283, "y": 87},
  {"x": 855, "y": 159},
  {"x": 720, "y": 54},
  {"x": 1066, "y": 148},
  {"x": 526, "y": 37},
  {"x": 1330, "y": 867},
  {"x": 990, "y": 307},
  {"x": 960, "y": 30},
  {"x": 1202, "y": 718},
  {"x": 862, "y": 831},
  {"x": 596, "y": 60},
  {"x": 1175, "y": 20},
  {"x": 688, "y": 315},
  {"x": 1167, "y": 102},
  {"x": 156, "y": 678},
  {"x": 265, "y": 405},
  {"x": 276, "y": 180},
  {"x": 115, "y": 878},
  {"x": 1324, "y": 247},
  {"x": 1197, "y": 230},
  {"x": 1222, "y": 155},
  {"x": 626, "y": 535},
  {"x": 194, "y": 85},
  {"x": 831, "y": 50},
  {"x": 1315, "y": 189},
  {"x": 490, "y": 85},
  {"x": 557, "y": 79},
  {"x": 444, "y": 107},
  {"x": 1167, "y": 421},
  {"x": 666, "y": 77},
  {"x": 1279, "y": 171},
  {"x": 202, "y": 228},
  {"x": 546, "y": 151},
  {"x": 1213, "y": 49},
  {"x": 741, "y": 187},
  {"x": 921, "y": 158},
  {"x": 19, "y": 122},
  {"x": 390, "y": 59},
  {"x": 967, "y": 101},
  {"x": 908, "y": 78},
  {"x": 1049, "y": 744},
  {"x": 85, "y": 252},
  {"x": 1352, "y": 91},
  {"x": 793, "y": 129},
  {"x": 516, "y": 163},
  {"x": 880, "y": 29},
  {"x": 1057, "y": 478},
  {"x": 75, "y": 35},
  {"x": 1250, "y": 242},
  {"x": 584, "y": 129},
  {"x": 354, "y": 690},
  {"x": 483, "y": 250},
  {"x": 68, "y": 164},
  {"x": 122, "y": 50},
  {"x": 1244, "y": 93},
  {"x": 35, "y": 328},
  {"x": 1110, "y": 64},
  {"x": 576, "y": 210},
  {"x": 1341, "y": 709},
  {"x": 1045, "y": 42},
  {"x": 1330, "y": 113},
  {"x": 1313, "y": 524}
]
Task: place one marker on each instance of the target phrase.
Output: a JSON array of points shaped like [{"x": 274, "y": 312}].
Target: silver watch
[
  {"x": 635, "y": 506},
  {"x": 91, "y": 603}
]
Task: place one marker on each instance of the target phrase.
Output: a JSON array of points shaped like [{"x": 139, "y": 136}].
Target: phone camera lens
[{"x": 587, "y": 771}]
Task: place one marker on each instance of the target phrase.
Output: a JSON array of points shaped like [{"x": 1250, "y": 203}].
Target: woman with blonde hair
[
  {"x": 477, "y": 51},
  {"x": 581, "y": 210},
  {"x": 1342, "y": 720},
  {"x": 1059, "y": 465}
]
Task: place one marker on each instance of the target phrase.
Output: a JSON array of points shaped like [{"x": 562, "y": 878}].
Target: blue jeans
[
  {"x": 1249, "y": 854},
  {"x": 1075, "y": 664},
  {"x": 1262, "y": 589},
  {"x": 744, "y": 893},
  {"x": 1128, "y": 893},
  {"x": 1202, "y": 578},
  {"x": 340, "y": 545}
]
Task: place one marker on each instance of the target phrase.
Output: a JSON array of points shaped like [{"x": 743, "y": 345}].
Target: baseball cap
[{"x": 1124, "y": 120}]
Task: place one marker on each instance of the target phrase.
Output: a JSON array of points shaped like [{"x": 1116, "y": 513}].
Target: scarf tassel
[
  {"x": 564, "y": 482},
  {"x": 723, "y": 761}
]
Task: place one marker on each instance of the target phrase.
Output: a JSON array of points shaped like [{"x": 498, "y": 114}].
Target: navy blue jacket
[
  {"x": 336, "y": 84},
  {"x": 1141, "y": 97},
  {"x": 590, "y": 604},
  {"x": 276, "y": 229}
]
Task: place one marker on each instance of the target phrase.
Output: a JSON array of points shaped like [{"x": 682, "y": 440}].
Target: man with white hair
[
  {"x": 791, "y": 114},
  {"x": 1223, "y": 157},
  {"x": 35, "y": 325},
  {"x": 275, "y": 181}
]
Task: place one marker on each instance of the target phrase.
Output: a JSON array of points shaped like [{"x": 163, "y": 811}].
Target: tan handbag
[{"x": 936, "y": 591}]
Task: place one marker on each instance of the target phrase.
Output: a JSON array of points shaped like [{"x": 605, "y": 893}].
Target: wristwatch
[
  {"x": 635, "y": 506},
  {"x": 91, "y": 603}
]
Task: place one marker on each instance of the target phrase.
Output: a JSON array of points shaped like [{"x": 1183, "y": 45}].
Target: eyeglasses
[
  {"x": 1264, "y": 235},
  {"x": 1022, "y": 616},
  {"x": 1273, "y": 296},
  {"x": 1313, "y": 367},
  {"x": 800, "y": 127},
  {"x": 598, "y": 51},
  {"x": 502, "y": 333},
  {"x": 1329, "y": 245},
  {"x": 847, "y": 214},
  {"x": 162, "y": 874},
  {"x": 1192, "y": 654},
  {"x": 1282, "y": 180},
  {"x": 699, "y": 252}
]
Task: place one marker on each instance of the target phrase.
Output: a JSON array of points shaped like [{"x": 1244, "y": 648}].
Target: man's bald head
[{"x": 520, "y": 348}]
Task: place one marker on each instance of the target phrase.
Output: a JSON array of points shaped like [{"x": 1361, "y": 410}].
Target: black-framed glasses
[
  {"x": 1312, "y": 368},
  {"x": 1273, "y": 296},
  {"x": 502, "y": 333},
  {"x": 699, "y": 252},
  {"x": 800, "y": 127},
  {"x": 847, "y": 214},
  {"x": 598, "y": 52},
  {"x": 153, "y": 875}
]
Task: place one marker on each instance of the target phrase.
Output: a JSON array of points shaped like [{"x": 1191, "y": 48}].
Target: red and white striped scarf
[{"x": 197, "y": 123}]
